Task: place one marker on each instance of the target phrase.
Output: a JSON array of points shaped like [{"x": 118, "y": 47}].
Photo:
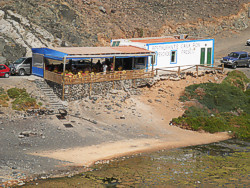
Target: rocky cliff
[{"x": 25, "y": 24}]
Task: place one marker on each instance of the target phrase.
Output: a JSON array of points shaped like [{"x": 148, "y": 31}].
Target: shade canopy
[{"x": 91, "y": 52}]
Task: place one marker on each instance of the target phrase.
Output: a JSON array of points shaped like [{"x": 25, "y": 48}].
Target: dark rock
[{"x": 157, "y": 100}]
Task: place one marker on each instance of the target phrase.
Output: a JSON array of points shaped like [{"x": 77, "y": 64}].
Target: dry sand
[{"x": 86, "y": 156}]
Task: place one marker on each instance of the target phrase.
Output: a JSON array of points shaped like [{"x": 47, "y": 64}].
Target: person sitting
[{"x": 99, "y": 66}]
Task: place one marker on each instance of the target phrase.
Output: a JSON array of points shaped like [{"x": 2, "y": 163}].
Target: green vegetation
[
  {"x": 238, "y": 79},
  {"x": 23, "y": 103},
  {"x": 17, "y": 93},
  {"x": 225, "y": 106},
  {"x": 20, "y": 99},
  {"x": 3, "y": 98}
]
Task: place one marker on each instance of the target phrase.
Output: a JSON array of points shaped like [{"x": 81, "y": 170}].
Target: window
[
  {"x": 28, "y": 61},
  {"x": 243, "y": 55},
  {"x": 173, "y": 57},
  {"x": 116, "y": 43},
  {"x": 2, "y": 67}
]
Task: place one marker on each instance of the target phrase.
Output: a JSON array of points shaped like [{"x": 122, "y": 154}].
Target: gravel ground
[{"x": 21, "y": 135}]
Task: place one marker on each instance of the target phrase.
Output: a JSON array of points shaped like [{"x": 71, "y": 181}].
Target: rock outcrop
[{"x": 26, "y": 24}]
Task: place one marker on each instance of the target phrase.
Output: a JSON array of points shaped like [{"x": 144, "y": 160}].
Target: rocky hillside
[{"x": 34, "y": 23}]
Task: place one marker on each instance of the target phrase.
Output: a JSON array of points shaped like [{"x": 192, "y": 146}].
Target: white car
[{"x": 248, "y": 42}]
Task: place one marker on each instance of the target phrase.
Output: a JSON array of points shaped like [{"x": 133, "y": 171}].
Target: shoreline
[{"x": 87, "y": 156}]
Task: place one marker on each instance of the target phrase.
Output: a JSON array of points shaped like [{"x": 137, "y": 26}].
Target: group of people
[{"x": 82, "y": 66}]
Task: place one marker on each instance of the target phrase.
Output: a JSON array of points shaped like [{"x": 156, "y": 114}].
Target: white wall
[{"x": 187, "y": 52}]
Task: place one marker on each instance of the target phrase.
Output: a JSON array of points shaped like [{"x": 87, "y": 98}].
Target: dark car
[
  {"x": 237, "y": 59},
  {"x": 4, "y": 71}
]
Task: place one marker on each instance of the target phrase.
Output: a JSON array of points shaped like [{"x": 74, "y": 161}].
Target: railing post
[
  {"x": 197, "y": 70},
  {"x": 223, "y": 67},
  {"x": 179, "y": 70}
]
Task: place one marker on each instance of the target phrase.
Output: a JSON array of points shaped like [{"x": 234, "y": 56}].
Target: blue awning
[{"x": 49, "y": 53}]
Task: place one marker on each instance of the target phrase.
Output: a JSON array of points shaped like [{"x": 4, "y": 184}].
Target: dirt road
[{"x": 232, "y": 42}]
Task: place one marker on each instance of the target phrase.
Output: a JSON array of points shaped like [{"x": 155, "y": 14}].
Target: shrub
[
  {"x": 16, "y": 92},
  {"x": 23, "y": 103},
  {"x": 230, "y": 106},
  {"x": 238, "y": 79},
  {"x": 195, "y": 111},
  {"x": 222, "y": 97},
  {"x": 238, "y": 125}
]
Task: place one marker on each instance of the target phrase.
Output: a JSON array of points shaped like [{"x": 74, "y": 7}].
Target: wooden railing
[
  {"x": 54, "y": 77},
  {"x": 98, "y": 77},
  {"x": 106, "y": 77},
  {"x": 179, "y": 69}
]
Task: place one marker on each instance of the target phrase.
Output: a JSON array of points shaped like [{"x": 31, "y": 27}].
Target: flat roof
[
  {"x": 82, "y": 51},
  {"x": 160, "y": 40}
]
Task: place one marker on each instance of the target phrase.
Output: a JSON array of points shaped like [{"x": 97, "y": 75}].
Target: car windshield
[
  {"x": 234, "y": 55},
  {"x": 19, "y": 61}
]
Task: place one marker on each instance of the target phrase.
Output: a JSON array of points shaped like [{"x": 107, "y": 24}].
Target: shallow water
[{"x": 218, "y": 164}]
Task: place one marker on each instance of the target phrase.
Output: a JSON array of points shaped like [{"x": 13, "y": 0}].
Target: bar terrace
[{"x": 86, "y": 65}]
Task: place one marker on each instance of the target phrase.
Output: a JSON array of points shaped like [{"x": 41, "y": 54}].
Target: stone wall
[{"x": 79, "y": 91}]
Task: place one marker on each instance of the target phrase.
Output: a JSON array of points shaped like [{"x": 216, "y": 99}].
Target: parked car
[
  {"x": 237, "y": 59},
  {"x": 248, "y": 42},
  {"x": 4, "y": 71},
  {"x": 22, "y": 66}
]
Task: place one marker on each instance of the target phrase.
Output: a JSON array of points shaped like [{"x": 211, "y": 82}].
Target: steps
[{"x": 54, "y": 102}]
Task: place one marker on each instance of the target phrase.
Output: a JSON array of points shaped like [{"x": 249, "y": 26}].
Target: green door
[
  {"x": 209, "y": 56},
  {"x": 202, "y": 56}
]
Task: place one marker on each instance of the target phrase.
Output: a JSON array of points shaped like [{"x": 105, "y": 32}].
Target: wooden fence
[
  {"x": 179, "y": 69},
  {"x": 54, "y": 77},
  {"x": 98, "y": 77}
]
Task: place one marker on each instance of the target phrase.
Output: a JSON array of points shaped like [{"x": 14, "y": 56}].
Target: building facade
[{"x": 174, "y": 51}]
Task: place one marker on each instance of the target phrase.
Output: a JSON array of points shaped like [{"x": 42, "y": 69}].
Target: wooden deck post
[
  {"x": 114, "y": 64},
  {"x": 63, "y": 79},
  {"x": 223, "y": 67},
  {"x": 91, "y": 65}
]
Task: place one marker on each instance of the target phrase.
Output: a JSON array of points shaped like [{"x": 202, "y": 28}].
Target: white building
[{"x": 174, "y": 51}]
